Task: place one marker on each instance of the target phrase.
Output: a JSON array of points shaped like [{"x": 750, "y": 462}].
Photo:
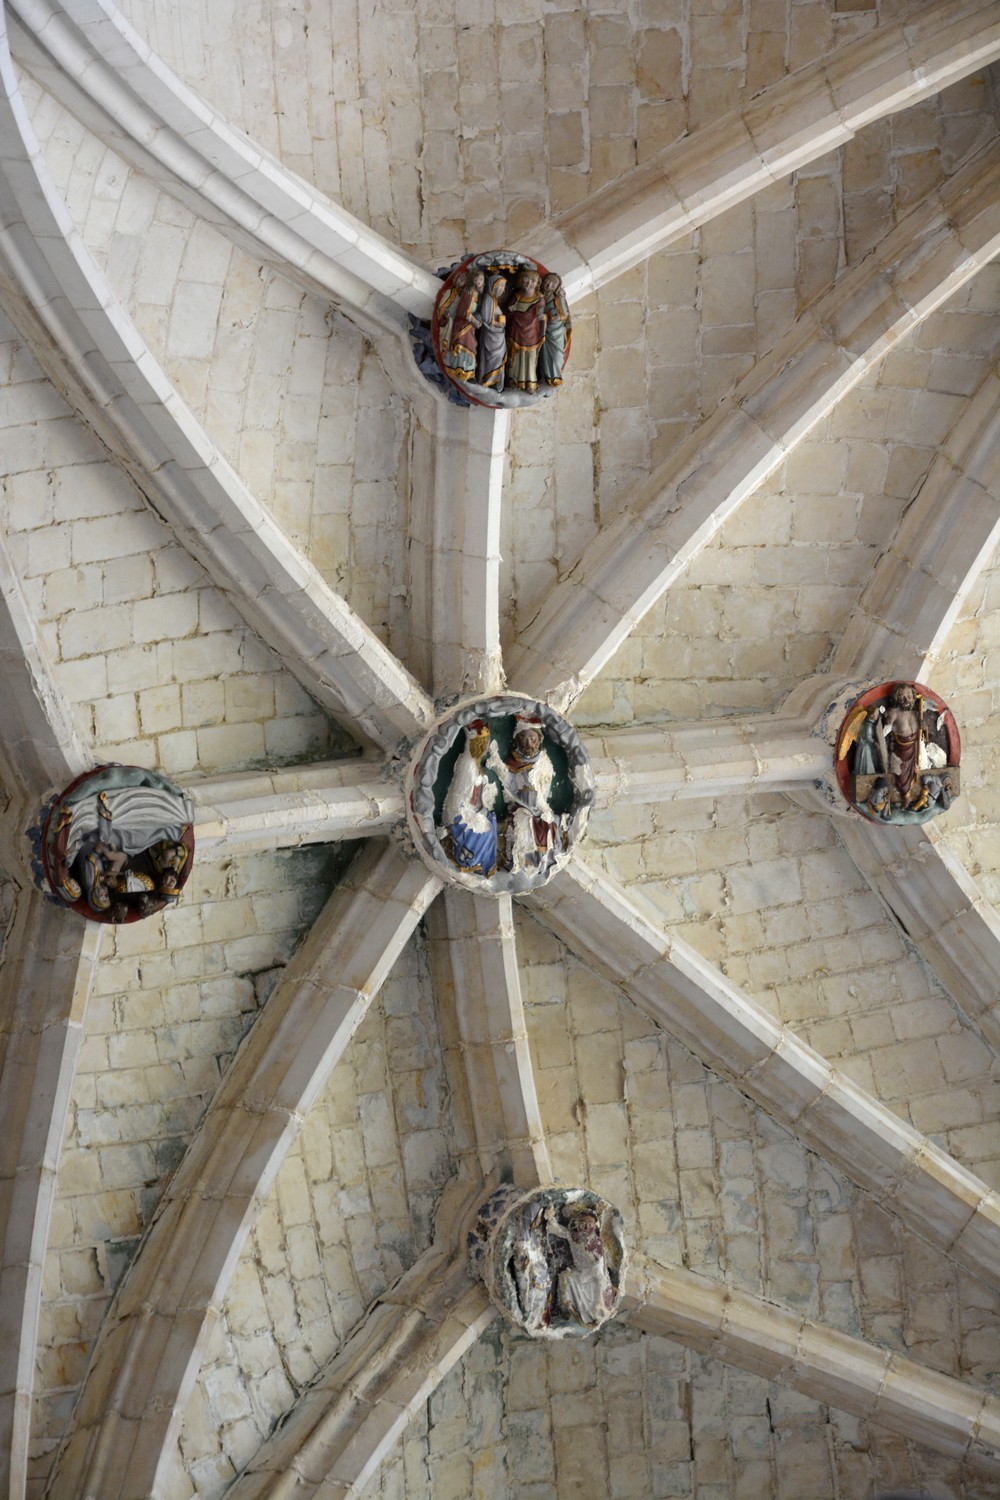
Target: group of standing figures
[{"x": 504, "y": 329}]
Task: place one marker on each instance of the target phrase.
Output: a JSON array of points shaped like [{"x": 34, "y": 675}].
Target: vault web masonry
[{"x": 680, "y": 1028}]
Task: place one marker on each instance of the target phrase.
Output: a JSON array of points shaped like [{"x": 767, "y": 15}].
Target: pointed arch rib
[
  {"x": 882, "y": 1387},
  {"x": 352, "y": 1416},
  {"x": 493, "y": 1038},
  {"x": 736, "y": 1036},
  {"x": 711, "y": 758},
  {"x": 319, "y": 803},
  {"x": 633, "y": 560},
  {"x": 948, "y": 534},
  {"x": 49, "y": 960},
  {"x": 88, "y": 57},
  {"x": 150, "y": 1349},
  {"x": 85, "y": 342},
  {"x": 456, "y": 494},
  {"x": 927, "y": 891},
  {"x": 793, "y": 122}
]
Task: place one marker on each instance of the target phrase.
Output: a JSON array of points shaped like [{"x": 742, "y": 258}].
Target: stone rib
[
  {"x": 85, "y": 342},
  {"x": 354, "y": 1413},
  {"x": 875, "y": 1384},
  {"x": 255, "y": 810},
  {"x": 737, "y": 1037},
  {"x": 713, "y": 758},
  {"x": 88, "y": 57},
  {"x": 634, "y": 559},
  {"x": 49, "y": 961},
  {"x": 493, "y": 1038},
  {"x": 947, "y": 536},
  {"x": 795, "y": 121},
  {"x": 927, "y": 891},
  {"x": 455, "y": 549},
  {"x": 49, "y": 957},
  {"x": 151, "y": 1346}
]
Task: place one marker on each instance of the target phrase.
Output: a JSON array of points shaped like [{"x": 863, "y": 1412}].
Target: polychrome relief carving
[
  {"x": 898, "y": 752},
  {"x": 501, "y": 329},
  {"x": 498, "y": 794},
  {"x": 116, "y": 845},
  {"x": 551, "y": 1259}
]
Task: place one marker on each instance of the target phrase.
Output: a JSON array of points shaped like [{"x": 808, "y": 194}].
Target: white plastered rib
[
  {"x": 948, "y": 534},
  {"x": 49, "y": 957},
  {"x": 635, "y": 558},
  {"x": 88, "y": 57},
  {"x": 928, "y": 892},
  {"x": 492, "y": 1037},
  {"x": 49, "y": 960},
  {"x": 733, "y": 1034},
  {"x": 316, "y": 803},
  {"x": 352, "y": 1415},
  {"x": 96, "y": 357},
  {"x": 708, "y": 758},
  {"x": 878, "y": 1385},
  {"x": 457, "y": 467},
  {"x": 794, "y": 121},
  {"x": 124, "y": 1429}
]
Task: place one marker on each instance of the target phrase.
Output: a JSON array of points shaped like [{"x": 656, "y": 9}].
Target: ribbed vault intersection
[{"x": 431, "y": 1015}]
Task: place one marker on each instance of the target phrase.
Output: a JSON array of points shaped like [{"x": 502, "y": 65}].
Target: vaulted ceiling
[{"x": 243, "y": 542}]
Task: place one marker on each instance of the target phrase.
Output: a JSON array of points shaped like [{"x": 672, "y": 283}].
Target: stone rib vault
[{"x": 245, "y": 543}]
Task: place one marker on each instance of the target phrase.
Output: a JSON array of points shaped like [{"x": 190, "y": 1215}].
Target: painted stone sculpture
[
  {"x": 551, "y": 1259},
  {"x": 898, "y": 753},
  {"x": 498, "y": 794},
  {"x": 117, "y": 844},
  {"x": 501, "y": 329}
]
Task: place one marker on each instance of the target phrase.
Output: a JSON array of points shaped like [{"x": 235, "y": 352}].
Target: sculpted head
[
  {"x": 583, "y": 1227},
  {"x": 528, "y": 739}
]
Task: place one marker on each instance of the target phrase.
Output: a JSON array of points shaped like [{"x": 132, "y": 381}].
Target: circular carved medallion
[
  {"x": 897, "y": 755},
  {"x": 498, "y": 794},
  {"x": 501, "y": 329},
  {"x": 117, "y": 844},
  {"x": 552, "y": 1259}
]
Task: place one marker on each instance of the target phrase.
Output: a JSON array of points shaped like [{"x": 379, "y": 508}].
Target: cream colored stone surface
[
  {"x": 351, "y": 1209},
  {"x": 155, "y": 661},
  {"x": 172, "y": 1000},
  {"x": 587, "y": 94},
  {"x": 631, "y": 1415},
  {"x": 779, "y": 904},
  {"x": 309, "y": 421},
  {"x": 713, "y": 1184},
  {"x": 446, "y": 129}
]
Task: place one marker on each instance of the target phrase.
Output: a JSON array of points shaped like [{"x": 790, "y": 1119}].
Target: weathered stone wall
[
  {"x": 967, "y": 674},
  {"x": 553, "y": 102},
  {"x": 310, "y": 422},
  {"x": 765, "y": 602},
  {"x": 158, "y": 665},
  {"x": 173, "y": 997},
  {"x": 628, "y": 1416},
  {"x": 713, "y": 1184},
  {"x": 351, "y": 1209},
  {"x": 766, "y": 890}
]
